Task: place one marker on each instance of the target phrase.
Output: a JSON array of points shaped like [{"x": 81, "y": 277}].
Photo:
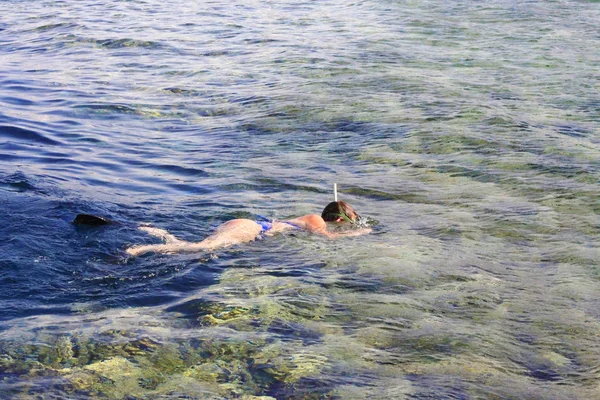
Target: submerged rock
[
  {"x": 91, "y": 220},
  {"x": 116, "y": 377}
]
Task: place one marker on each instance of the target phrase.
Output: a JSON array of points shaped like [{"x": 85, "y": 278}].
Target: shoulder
[{"x": 311, "y": 222}]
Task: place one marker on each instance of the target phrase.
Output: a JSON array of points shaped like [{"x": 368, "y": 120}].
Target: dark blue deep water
[{"x": 467, "y": 132}]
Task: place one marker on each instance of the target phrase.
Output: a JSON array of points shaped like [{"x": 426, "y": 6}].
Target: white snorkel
[{"x": 335, "y": 192}]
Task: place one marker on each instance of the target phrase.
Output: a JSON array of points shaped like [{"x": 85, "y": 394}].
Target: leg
[
  {"x": 139, "y": 250},
  {"x": 230, "y": 233},
  {"x": 169, "y": 248},
  {"x": 161, "y": 233},
  {"x": 169, "y": 239}
]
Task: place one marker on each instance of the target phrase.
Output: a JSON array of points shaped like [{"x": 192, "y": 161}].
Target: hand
[{"x": 356, "y": 232}]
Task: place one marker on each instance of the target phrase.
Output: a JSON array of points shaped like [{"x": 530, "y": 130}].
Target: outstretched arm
[{"x": 354, "y": 232}]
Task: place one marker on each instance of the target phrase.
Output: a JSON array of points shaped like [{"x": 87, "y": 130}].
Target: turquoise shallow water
[{"x": 468, "y": 134}]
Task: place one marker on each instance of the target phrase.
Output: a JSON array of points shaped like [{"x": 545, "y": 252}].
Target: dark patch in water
[
  {"x": 256, "y": 129},
  {"x": 479, "y": 176},
  {"x": 451, "y": 278},
  {"x": 190, "y": 188},
  {"x": 572, "y": 131},
  {"x": 108, "y": 108},
  {"x": 49, "y": 27},
  {"x": 247, "y": 100},
  {"x": 506, "y": 122},
  {"x": 185, "y": 171},
  {"x": 294, "y": 331},
  {"x": 259, "y": 41},
  {"x": 592, "y": 107},
  {"x": 306, "y": 270},
  {"x": 186, "y": 92},
  {"x": 202, "y": 312},
  {"x": 92, "y": 220},
  {"x": 567, "y": 171},
  {"x": 14, "y": 132},
  {"x": 440, "y": 387},
  {"x": 304, "y": 389},
  {"x": 192, "y": 308},
  {"x": 17, "y": 182},
  {"x": 504, "y": 96},
  {"x": 53, "y": 264},
  {"x": 355, "y": 285},
  {"x": 348, "y": 126},
  {"x": 16, "y": 101},
  {"x": 267, "y": 185},
  {"x": 545, "y": 375},
  {"x": 379, "y": 195},
  {"x": 122, "y": 43},
  {"x": 537, "y": 367}
]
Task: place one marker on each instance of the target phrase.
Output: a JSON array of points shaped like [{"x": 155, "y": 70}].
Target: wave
[{"x": 15, "y": 132}]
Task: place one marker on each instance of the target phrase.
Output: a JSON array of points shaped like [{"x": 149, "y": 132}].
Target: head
[{"x": 339, "y": 211}]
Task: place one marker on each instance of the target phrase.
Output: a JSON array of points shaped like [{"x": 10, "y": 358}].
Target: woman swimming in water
[{"x": 245, "y": 230}]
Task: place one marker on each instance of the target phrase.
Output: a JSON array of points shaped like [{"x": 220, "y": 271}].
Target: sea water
[{"x": 466, "y": 132}]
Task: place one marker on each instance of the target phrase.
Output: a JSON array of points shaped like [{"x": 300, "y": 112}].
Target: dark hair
[{"x": 337, "y": 209}]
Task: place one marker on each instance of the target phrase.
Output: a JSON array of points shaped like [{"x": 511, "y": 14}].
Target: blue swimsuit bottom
[{"x": 266, "y": 224}]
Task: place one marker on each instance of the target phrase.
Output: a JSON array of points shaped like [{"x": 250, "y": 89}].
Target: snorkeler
[{"x": 239, "y": 231}]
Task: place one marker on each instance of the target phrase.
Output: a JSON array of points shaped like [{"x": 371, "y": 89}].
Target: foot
[{"x": 161, "y": 233}]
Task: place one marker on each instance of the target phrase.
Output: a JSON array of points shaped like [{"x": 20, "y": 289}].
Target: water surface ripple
[{"x": 467, "y": 132}]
